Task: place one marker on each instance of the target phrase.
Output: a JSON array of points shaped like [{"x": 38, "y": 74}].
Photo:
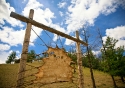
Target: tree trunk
[
  {"x": 115, "y": 86},
  {"x": 91, "y": 71},
  {"x": 122, "y": 78},
  {"x": 92, "y": 77},
  {"x": 90, "y": 63}
]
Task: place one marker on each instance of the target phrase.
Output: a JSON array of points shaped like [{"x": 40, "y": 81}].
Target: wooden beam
[
  {"x": 23, "y": 60},
  {"x": 79, "y": 63},
  {"x": 37, "y": 24}
]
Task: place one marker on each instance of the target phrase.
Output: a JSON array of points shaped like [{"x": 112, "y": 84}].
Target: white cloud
[
  {"x": 61, "y": 13},
  {"x": 3, "y": 56},
  {"x": 41, "y": 15},
  {"x": 4, "y": 47},
  {"x": 59, "y": 28},
  {"x": 116, "y": 33},
  {"x": 122, "y": 2},
  {"x": 69, "y": 42},
  {"x": 11, "y": 36},
  {"x": 120, "y": 43},
  {"x": 62, "y": 4},
  {"x": 5, "y": 10},
  {"x": 32, "y": 4},
  {"x": 33, "y": 36},
  {"x": 84, "y": 12},
  {"x": 14, "y": 37},
  {"x": 96, "y": 52},
  {"x": 55, "y": 37}
]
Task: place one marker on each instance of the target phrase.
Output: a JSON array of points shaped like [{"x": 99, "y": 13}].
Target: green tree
[
  {"x": 85, "y": 61},
  {"x": 109, "y": 57},
  {"x": 120, "y": 71},
  {"x": 94, "y": 61},
  {"x": 31, "y": 56},
  {"x": 117, "y": 58},
  {"x": 11, "y": 57}
]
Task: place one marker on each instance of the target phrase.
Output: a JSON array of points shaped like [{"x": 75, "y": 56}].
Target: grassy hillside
[{"x": 8, "y": 75}]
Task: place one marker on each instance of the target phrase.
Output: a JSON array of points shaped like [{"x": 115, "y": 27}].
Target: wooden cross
[{"x": 23, "y": 59}]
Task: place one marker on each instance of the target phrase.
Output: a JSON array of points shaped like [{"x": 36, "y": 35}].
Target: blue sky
[{"x": 63, "y": 15}]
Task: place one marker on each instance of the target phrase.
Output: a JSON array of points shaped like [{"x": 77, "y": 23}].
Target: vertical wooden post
[
  {"x": 79, "y": 63},
  {"x": 20, "y": 78}
]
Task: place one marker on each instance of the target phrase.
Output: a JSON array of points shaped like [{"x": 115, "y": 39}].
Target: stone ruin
[{"x": 56, "y": 67}]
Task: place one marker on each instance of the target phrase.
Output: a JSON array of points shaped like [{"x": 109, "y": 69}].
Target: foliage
[
  {"x": 120, "y": 71},
  {"x": 31, "y": 56},
  {"x": 85, "y": 62},
  {"x": 11, "y": 57},
  {"x": 94, "y": 61},
  {"x": 109, "y": 56},
  {"x": 113, "y": 58},
  {"x": 17, "y": 60}
]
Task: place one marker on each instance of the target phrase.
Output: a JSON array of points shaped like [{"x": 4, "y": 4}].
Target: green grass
[{"x": 8, "y": 76}]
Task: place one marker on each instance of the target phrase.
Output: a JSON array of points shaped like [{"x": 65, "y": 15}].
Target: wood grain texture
[{"x": 42, "y": 26}]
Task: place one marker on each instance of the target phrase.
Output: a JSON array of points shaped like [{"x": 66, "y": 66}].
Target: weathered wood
[
  {"x": 20, "y": 80},
  {"x": 79, "y": 63},
  {"x": 31, "y": 22},
  {"x": 37, "y": 24}
]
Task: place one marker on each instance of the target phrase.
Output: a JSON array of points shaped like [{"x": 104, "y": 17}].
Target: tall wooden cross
[{"x": 30, "y": 22}]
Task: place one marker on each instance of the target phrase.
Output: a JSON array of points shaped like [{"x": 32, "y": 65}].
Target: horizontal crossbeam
[{"x": 37, "y": 24}]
